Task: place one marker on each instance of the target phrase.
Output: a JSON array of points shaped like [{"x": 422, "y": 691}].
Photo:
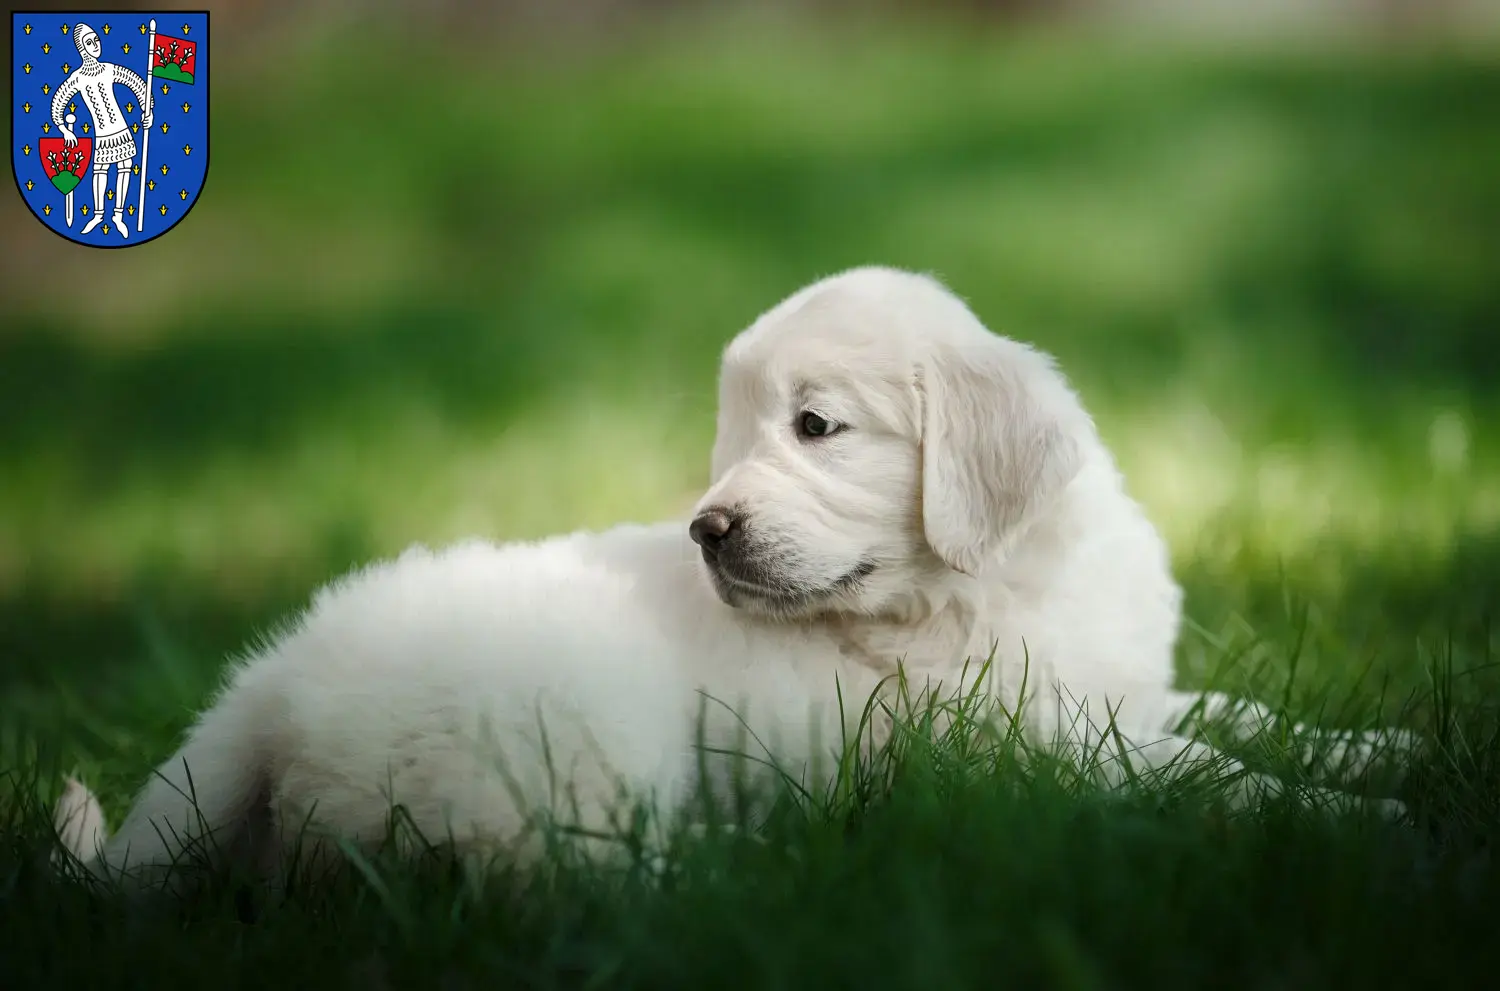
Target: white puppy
[{"x": 892, "y": 485}]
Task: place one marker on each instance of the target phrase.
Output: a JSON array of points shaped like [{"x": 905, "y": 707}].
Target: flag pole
[{"x": 140, "y": 209}]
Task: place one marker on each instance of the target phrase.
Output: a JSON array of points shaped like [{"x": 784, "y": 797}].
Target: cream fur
[{"x": 966, "y": 505}]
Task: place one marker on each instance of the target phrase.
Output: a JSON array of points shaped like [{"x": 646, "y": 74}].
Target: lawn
[{"x": 490, "y": 300}]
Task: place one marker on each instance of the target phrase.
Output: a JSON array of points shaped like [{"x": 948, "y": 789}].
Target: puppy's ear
[{"x": 1001, "y": 435}]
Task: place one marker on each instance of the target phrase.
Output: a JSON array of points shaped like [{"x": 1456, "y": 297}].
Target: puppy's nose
[{"x": 712, "y": 528}]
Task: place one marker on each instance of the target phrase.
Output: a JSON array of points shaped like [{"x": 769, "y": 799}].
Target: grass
[
  {"x": 953, "y": 854},
  {"x": 1271, "y": 274}
]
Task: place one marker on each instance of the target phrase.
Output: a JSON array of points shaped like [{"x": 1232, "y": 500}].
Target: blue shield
[{"x": 109, "y": 121}]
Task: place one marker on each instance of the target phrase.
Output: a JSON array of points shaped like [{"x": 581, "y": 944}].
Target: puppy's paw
[
  {"x": 1389, "y": 809},
  {"x": 79, "y": 821}
]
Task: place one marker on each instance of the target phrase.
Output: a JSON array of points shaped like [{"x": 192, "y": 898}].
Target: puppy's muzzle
[{"x": 717, "y": 531}]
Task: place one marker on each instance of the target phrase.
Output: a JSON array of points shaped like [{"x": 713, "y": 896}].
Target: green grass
[
  {"x": 953, "y": 855},
  {"x": 1272, "y": 276}
]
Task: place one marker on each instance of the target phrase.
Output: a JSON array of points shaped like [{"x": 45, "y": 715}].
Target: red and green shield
[{"x": 65, "y": 166}]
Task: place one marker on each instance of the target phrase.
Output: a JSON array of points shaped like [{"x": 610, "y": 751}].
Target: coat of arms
[{"x": 109, "y": 121}]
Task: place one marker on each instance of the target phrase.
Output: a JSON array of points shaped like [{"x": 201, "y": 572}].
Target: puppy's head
[{"x": 872, "y": 434}]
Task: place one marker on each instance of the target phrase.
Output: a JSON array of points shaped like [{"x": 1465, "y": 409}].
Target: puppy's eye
[{"x": 810, "y": 424}]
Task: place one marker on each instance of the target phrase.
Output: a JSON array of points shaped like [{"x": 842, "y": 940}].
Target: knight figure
[{"x": 93, "y": 83}]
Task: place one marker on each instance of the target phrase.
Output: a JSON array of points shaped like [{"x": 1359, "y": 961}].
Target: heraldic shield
[{"x": 109, "y": 121}]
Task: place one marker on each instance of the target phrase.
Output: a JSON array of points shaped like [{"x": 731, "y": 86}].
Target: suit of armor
[{"x": 93, "y": 83}]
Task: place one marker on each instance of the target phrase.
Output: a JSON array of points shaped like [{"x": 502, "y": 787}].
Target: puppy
[{"x": 893, "y": 488}]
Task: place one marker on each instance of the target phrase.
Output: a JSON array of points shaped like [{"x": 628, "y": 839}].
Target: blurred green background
[{"x": 458, "y": 272}]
